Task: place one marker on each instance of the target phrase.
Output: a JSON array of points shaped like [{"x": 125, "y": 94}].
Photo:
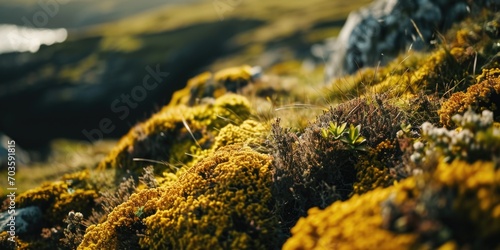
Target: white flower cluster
[
  {"x": 460, "y": 143},
  {"x": 473, "y": 121}
]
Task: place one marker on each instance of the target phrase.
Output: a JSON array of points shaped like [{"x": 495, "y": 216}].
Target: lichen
[
  {"x": 458, "y": 204},
  {"x": 476, "y": 138}
]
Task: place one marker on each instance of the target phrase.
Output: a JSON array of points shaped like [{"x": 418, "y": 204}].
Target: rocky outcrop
[{"x": 376, "y": 34}]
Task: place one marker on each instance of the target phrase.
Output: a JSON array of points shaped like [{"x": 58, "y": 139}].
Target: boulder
[
  {"x": 377, "y": 33},
  {"x": 26, "y": 219}
]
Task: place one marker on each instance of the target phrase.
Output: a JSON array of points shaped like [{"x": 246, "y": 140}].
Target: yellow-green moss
[
  {"x": 477, "y": 197},
  {"x": 17, "y": 244},
  {"x": 354, "y": 224},
  {"x": 195, "y": 89},
  {"x": 224, "y": 201},
  {"x": 468, "y": 195},
  {"x": 234, "y": 74},
  {"x": 250, "y": 132},
  {"x": 58, "y": 198},
  {"x": 211, "y": 85},
  {"x": 168, "y": 135},
  {"x": 373, "y": 169},
  {"x": 119, "y": 231},
  {"x": 477, "y": 96}
]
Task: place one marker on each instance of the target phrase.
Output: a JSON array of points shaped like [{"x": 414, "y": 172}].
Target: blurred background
[{"x": 69, "y": 67}]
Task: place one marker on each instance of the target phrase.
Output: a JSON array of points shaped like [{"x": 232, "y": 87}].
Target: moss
[
  {"x": 483, "y": 95},
  {"x": 121, "y": 227},
  {"x": 377, "y": 168},
  {"x": 208, "y": 85},
  {"x": 194, "y": 90},
  {"x": 449, "y": 67},
  {"x": 456, "y": 205},
  {"x": 477, "y": 200},
  {"x": 6, "y": 244},
  {"x": 353, "y": 224},
  {"x": 439, "y": 70},
  {"x": 310, "y": 170},
  {"x": 175, "y": 133},
  {"x": 224, "y": 201},
  {"x": 234, "y": 78},
  {"x": 250, "y": 132},
  {"x": 56, "y": 199}
]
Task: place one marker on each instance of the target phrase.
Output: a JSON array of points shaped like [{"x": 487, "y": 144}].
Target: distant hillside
[{"x": 80, "y": 13}]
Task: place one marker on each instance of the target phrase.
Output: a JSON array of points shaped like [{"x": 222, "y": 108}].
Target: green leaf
[
  {"x": 362, "y": 148},
  {"x": 324, "y": 133},
  {"x": 359, "y": 140},
  {"x": 342, "y": 128}
]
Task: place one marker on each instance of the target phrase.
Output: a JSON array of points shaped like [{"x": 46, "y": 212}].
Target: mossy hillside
[
  {"x": 222, "y": 202},
  {"x": 424, "y": 187},
  {"x": 66, "y": 157}
]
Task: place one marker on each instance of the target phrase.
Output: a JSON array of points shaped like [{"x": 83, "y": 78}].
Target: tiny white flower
[{"x": 418, "y": 145}]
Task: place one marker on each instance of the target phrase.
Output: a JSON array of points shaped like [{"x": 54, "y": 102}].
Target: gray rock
[
  {"x": 26, "y": 219},
  {"x": 378, "y": 33}
]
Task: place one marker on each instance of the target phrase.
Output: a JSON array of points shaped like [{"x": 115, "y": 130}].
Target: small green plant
[
  {"x": 335, "y": 130},
  {"x": 139, "y": 212},
  {"x": 354, "y": 139},
  {"x": 351, "y": 137}
]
